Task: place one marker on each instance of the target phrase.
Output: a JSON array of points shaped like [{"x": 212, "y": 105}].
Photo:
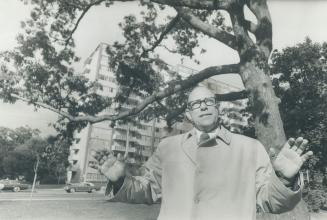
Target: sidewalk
[{"x": 321, "y": 215}]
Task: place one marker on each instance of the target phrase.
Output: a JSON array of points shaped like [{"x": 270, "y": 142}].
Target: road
[{"x": 56, "y": 204}]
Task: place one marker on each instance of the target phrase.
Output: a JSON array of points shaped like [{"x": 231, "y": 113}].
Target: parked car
[
  {"x": 81, "y": 187},
  {"x": 14, "y": 185}
]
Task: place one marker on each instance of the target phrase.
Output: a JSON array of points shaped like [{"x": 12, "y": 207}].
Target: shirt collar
[{"x": 221, "y": 132}]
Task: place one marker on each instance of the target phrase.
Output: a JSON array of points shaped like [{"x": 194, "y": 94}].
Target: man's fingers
[
  {"x": 291, "y": 142},
  {"x": 306, "y": 156},
  {"x": 298, "y": 141},
  {"x": 302, "y": 147}
]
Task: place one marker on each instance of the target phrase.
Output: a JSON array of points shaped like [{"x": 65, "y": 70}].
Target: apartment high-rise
[{"x": 141, "y": 137}]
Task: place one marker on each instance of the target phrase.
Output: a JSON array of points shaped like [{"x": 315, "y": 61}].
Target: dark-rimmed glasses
[{"x": 211, "y": 101}]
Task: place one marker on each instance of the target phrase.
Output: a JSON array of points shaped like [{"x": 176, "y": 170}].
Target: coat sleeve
[
  {"x": 145, "y": 187},
  {"x": 272, "y": 195}
]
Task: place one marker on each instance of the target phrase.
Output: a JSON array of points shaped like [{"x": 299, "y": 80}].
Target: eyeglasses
[{"x": 197, "y": 103}]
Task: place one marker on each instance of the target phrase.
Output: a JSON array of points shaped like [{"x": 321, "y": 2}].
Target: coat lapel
[
  {"x": 223, "y": 134},
  {"x": 189, "y": 145}
]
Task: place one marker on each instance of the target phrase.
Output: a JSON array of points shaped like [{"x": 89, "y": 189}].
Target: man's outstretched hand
[
  {"x": 291, "y": 158},
  {"x": 109, "y": 165}
]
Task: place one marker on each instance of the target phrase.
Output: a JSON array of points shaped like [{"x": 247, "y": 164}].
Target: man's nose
[{"x": 203, "y": 106}]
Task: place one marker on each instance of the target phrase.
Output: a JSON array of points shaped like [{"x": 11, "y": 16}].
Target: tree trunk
[
  {"x": 35, "y": 176},
  {"x": 264, "y": 105},
  {"x": 268, "y": 124}
]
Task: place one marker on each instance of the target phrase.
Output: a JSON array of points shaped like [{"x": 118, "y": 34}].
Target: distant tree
[
  {"x": 56, "y": 159},
  {"x": 9, "y": 140},
  {"x": 22, "y": 149},
  {"x": 23, "y": 159},
  {"x": 300, "y": 81}
]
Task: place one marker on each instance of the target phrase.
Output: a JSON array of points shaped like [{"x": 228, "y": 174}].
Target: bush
[{"x": 315, "y": 199}]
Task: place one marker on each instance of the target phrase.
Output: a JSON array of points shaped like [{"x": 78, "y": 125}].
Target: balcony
[
  {"x": 122, "y": 148},
  {"x": 119, "y": 137},
  {"x": 147, "y": 143},
  {"x": 146, "y": 153},
  {"x": 124, "y": 127}
]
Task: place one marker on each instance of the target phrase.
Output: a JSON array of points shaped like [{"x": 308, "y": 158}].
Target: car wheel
[
  {"x": 92, "y": 191},
  {"x": 16, "y": 189},
  {"x": 72, "y": 190}
]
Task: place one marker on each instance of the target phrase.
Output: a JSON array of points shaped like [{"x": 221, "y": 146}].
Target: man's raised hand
[
  {"x": 109, "y": 165},
  {"x": 291, "y": 158}
]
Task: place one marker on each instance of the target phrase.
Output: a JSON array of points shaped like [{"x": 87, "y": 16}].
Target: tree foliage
[
  {"x": 300, "y": 81},
  {"x": 22, "y": 147},
  {"x": 10, "y": 139},
  {"x": 40, "y": 71}
]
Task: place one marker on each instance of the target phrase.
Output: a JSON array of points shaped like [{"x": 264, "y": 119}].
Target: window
[{"x": 103, "y": 77}]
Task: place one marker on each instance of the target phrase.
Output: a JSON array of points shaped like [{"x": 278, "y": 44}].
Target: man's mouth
[{"x": 203, "y": 115}]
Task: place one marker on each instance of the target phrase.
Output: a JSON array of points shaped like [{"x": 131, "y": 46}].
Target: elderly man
[{"x": 210, "y": 173}]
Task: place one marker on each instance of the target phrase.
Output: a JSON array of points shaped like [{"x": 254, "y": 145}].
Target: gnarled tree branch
[
  {"x": 85, "y": 10},
  {"x": 170, "y": 26},
  {"x": 263, "y": 32},
  {"x": 244, "y": 42},
  {"x": 210, "y": 30},
  {"x": 194, "y": 4},
  {"x": 232, "y": 96},
  {"x": 250, "y": 26},
  {"x": 171, "y": 89}
]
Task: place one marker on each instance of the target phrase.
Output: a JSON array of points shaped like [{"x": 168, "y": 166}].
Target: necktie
[{"x": 204, "y": 137}]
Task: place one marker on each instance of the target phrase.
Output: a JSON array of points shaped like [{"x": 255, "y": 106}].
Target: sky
[{"x": 292, "y": 21}]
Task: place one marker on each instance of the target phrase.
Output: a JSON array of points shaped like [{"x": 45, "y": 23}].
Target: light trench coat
[{"x": 224, "y": 182}]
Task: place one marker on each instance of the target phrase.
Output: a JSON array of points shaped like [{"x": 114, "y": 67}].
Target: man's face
[{"x": 202, "y": 109}]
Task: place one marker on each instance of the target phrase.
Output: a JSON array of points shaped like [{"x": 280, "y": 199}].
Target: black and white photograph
[{"x": 163, "y": 110}]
